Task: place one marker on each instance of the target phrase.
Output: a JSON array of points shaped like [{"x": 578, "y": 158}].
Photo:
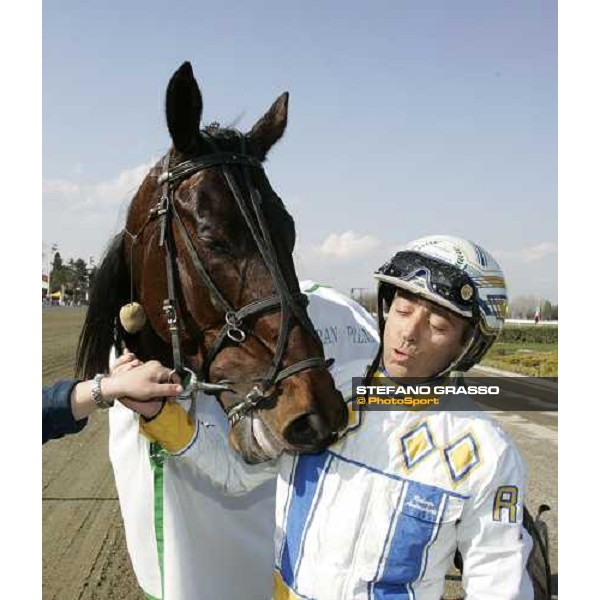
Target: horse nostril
[{"x": 308, "y": 430}]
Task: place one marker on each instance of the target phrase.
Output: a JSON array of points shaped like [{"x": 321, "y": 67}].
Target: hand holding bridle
[{"x": 143, "y": 386}]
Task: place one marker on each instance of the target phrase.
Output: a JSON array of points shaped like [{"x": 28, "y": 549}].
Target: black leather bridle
[{"x": 249, "y": 201}]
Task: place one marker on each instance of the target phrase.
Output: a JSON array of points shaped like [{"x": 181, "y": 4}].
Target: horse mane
[
  {"x": 227, "y": 138},
  {"x": 101, "y": 329}
]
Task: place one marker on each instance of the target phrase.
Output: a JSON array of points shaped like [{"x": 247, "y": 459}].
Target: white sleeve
[
  {"x": 491, "y": 538},
  {"x": 211, "y": 456}
]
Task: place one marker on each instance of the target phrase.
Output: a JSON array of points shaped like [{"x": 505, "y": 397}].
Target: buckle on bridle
[
  {"x": 189, "y": 382},
  {"x": 171, "y": 314},
  {"x": 161, "y": 207},
  {"x": 234, "y": 332},
  {"x": 253, "y": 398}
]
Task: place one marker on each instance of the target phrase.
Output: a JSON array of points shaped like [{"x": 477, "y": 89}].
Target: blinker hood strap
[{"x": 169, "y": 306}]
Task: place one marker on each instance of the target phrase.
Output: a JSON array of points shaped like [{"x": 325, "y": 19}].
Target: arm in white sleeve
[
  {"x": 207, "y": 450},
  {"x": 491, "y": 538}
]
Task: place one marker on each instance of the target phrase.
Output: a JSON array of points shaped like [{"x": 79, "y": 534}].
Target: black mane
[{"x": 101, "y": 329}]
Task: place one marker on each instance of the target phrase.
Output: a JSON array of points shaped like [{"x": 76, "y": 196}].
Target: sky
[{"x": 405, "y": 119}]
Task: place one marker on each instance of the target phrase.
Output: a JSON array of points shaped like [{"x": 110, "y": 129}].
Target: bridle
[{"x": 249, "y": 201}]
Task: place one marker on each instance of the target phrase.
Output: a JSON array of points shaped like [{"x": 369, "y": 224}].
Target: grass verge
[{"x": 534, "y": 359}]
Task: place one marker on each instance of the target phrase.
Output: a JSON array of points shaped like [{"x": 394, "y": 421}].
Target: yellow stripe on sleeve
[{"x": 173, "y": 428}]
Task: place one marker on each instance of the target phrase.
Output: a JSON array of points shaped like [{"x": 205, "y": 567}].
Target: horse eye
[{"x": 218, "y": 247}]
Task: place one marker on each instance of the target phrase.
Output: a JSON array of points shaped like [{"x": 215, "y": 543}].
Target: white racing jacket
[{"x": 381, "y": 513}]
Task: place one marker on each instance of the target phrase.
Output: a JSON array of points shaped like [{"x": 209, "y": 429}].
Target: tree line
[
  {"x": 522, "y": 307},
  {"x": 525, "y": 307},
  {"x": 74, "y": 276}
]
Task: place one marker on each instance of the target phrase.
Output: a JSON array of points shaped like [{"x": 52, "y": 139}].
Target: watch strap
[{"x": 99, "y": 400}]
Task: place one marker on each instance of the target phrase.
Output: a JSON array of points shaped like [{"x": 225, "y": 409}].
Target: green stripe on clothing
[{"x": 157, "y": 459}]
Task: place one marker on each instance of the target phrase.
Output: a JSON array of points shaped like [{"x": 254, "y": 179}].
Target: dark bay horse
[{"x": 207, "y": 252}]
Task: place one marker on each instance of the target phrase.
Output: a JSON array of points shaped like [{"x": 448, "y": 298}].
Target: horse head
[{"x": 207, "y": 213}]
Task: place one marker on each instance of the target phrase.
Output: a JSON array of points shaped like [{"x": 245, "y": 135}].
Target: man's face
[{"x": 420, "y": 339}]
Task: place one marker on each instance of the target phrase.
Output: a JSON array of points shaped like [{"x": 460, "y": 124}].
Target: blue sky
[{"x": 405, "y": 119}]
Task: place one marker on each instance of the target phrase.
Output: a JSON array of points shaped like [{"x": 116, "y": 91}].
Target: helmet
[{"x": 456, "y": 274}]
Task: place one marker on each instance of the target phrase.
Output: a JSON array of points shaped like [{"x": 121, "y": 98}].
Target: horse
[{"x": 206, "y": 257}]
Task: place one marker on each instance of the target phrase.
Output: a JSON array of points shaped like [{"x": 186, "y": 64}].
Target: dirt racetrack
[
  {"x": 83, "y": 542},
  {"x": 84, "y": 551}
]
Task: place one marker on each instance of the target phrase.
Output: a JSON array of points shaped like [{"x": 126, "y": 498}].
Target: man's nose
[{"x": 412, "y": 327}]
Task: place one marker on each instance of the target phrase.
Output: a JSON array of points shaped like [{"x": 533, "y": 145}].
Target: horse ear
[
  {"x": 184, "y": 108},
  {"x": 270, "y": 128}
]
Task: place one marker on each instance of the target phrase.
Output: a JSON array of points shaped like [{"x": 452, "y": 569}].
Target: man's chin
[
  {"x": 410, "y": 375},
  {"x": 398, "y": 371}
]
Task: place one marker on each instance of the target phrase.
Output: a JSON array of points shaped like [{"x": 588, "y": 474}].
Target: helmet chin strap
[{"x": 459, "y": 358}]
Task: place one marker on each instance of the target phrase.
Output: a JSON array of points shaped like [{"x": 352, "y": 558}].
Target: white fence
[{"x": 531, "y": 322}]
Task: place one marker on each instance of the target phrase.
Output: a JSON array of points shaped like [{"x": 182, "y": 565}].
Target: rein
[{"x": 249, "y": 201}]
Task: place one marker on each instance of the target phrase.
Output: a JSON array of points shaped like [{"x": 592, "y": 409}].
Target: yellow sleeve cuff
[{"x": 173, "y": 428}]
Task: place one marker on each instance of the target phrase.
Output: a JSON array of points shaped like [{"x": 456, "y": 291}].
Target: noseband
[{"x": 249, "y": 200}]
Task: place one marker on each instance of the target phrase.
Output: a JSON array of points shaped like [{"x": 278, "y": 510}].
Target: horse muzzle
[{"x": 253, "y": 440}]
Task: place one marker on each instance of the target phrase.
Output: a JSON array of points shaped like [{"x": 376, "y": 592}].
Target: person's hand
[{"x": 140, "y": 386}]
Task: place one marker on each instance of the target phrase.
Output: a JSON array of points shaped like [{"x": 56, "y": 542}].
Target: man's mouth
[{"x": 401, "y": 355}]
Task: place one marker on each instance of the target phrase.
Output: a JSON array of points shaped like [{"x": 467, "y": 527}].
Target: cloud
[
  {"x": 81, "y": 217},
  {"x": 531, "y": 270},
  {"x": 343, "y": 260},
  {"x": 103, "y": 196},
  {"x": 539, "y": 251},
  {"x": 528, "y": 254},
  {"x": 347, "y": 245}
]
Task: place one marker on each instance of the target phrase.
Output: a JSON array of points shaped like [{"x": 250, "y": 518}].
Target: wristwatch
[{"x": 99, "y": 400}]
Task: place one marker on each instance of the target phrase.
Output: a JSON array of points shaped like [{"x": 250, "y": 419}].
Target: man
[{"x": 381, "y": 513}]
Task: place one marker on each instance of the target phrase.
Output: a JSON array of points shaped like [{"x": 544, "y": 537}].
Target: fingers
[
  {"x": 162, "y": 374},
  {"x": 168, "y": 382},
  {"x": 127, "y": 366},
  {"x": 127, "y": 402},
  {"x": 166, "y": 389},
  {"x": 144, "y": 382},
  {"x": 150, "y": 381},
  {"x": 126, "y": 359},
  {"x": 174, "y": 377}
]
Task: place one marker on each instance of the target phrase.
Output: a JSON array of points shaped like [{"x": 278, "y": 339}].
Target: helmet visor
[{"x": 452, "y": 286}]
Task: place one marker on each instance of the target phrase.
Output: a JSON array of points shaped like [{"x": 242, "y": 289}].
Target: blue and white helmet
[{"x": 456, "y": 274}]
